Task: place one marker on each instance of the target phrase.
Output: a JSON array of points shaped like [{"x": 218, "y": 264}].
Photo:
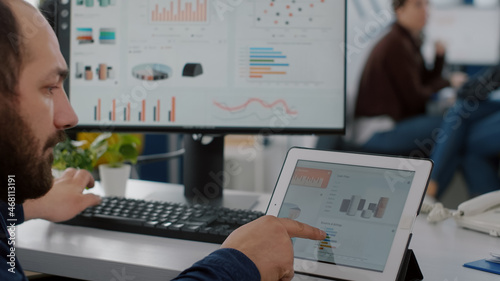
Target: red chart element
[
  {"x": 183, "y": 12},
  {"x": 253, "y": 100},
  {"x": 311, "y": 177}
]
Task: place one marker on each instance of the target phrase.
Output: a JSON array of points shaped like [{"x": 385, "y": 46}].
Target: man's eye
[{"x": 51, "y": 90}]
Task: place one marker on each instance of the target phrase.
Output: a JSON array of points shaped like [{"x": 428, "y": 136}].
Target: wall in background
[{"x": 33, "y": 2}]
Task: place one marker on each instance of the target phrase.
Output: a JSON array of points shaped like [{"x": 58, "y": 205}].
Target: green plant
[
  {"x": 120, "y": 148},
  {"x": 70, "y": 154},
  {"x": 107, "y": 148}
]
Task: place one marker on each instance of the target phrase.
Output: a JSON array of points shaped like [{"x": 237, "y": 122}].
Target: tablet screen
[{"x": 358, "y": 207}]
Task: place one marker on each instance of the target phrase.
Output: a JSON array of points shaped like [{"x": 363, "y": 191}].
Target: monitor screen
[
  {"x": 357, "y": 206},
  {"x": 206, "y": 66}
]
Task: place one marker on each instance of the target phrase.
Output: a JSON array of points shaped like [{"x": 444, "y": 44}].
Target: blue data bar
[
  {"x": 268, "y": 57},
  {"x": 269, "y": 53},
  {"x": 269, "y": 64}
]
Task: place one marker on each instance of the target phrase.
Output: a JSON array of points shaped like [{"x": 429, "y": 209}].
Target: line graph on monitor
[{"x": 251, "y": 108}]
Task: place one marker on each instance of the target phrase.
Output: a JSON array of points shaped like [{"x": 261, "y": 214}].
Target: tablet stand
[{"x": 409, "y": 271}]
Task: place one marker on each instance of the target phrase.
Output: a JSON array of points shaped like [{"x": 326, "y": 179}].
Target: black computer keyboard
[{"x": 174, "y": 220}]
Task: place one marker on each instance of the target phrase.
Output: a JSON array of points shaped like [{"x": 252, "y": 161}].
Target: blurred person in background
[
  {"x": 470, "y": 138},
  {"x": 395, "y": 86}
]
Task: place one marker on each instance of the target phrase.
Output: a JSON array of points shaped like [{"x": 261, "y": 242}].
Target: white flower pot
[
  {"x": 57, "y": 173},
  {"x": 114, "y": 180}
]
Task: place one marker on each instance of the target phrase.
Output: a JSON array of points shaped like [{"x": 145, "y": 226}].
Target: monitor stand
[{"x": 204, "y": 173}]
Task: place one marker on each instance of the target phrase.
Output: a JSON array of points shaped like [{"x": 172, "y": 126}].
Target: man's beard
[{"x": 19, "y": 152}]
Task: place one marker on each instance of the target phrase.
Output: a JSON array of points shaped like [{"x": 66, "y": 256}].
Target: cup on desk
[{"x": 114, "y": 179}]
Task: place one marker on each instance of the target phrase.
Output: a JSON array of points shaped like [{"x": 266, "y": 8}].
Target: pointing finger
[{"x": 302, "y": 230}]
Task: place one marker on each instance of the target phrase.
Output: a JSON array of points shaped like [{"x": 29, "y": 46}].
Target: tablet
[{"x": 366, "y": 204}]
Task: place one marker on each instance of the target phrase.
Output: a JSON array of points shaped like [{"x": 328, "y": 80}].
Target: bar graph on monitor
[
  {"x": 161, "y": 110},
  {"x": 178, "y": 11}
]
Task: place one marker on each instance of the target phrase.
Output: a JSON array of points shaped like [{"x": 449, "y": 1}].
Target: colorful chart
[
  {"x": 142, "y": 112},
  {"x": 293, "y": 13},
  {"x": 107, "y": 36},
  {"x": 311, "y": 177},
  {"x": 123, "y": 112},
  {"x": 326, "y": 247},
  {"x": 255, "y": 100},
  {"x": 178, "y": 11},
  {"x": 291, "y": 64},
  {"x": 266, "y": 62},
  {"x": 356, "y": 204},
  {"x": 84, "y": 35},
  {"x": 236, "y": 109},
  {"x": 97, "y": 110}
]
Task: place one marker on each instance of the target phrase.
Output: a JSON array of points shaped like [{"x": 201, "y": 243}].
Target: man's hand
[
  {"x": 266, "y": 241},
  {"x": 457, "y": 79},
  {"x": 65, "y": 199}
]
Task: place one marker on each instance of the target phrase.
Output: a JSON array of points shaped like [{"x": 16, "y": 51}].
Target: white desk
[{"x": 94, "y": 254}]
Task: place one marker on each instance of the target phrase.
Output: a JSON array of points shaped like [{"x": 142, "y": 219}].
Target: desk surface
[{"x": 94, "y": 254}]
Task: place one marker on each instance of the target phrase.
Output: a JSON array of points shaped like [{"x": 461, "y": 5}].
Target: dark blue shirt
[
  {"x": 221, "y": 265},
  {"x": 10, "y": 269}
]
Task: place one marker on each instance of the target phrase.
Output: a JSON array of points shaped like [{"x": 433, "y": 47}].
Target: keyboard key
[
  {"x": 222, "y": 219},
  {"x": 206, "y": 229},
  {"x": 214, "y": 231},
  {"x": 151, "y": 223},
  {"x": 205, "y": 219},
  {"x": 177, "y": 226},
  {"x": 164, "y": 225},
  {"x": 191, "y": 228},
  {"x": 120, "y": 220}
]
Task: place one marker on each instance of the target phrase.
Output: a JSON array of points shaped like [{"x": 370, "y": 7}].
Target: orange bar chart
[
  {"x": 171, "y": 113},
  {"x": 146, "y": 111},
  {"x": 142, "y": 112},
  {"x": 143, "y": 117},
  {"x": 156, "y": 112},
  {"x": 112, "y": 114},
  {"x": 311, "y": 177},
  {"x": 97, "y": 111},
  {"x": 179, "y": 11},
  {"x": 128, "y": 112}
]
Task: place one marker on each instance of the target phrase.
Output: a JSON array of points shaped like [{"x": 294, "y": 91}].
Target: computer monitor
[{"x": 210, "y": 67}]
